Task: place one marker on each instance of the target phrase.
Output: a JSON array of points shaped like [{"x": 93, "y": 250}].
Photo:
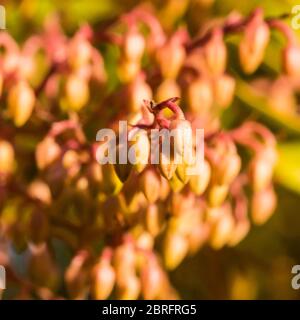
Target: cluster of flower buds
[{"x": 126, "y": 222}]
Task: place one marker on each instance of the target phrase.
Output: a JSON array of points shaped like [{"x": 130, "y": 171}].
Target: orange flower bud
[
  {"x": 103, "y": 279},
  {"x": 140, "y": 150},
  {"x": 222, "y": 230},
  {"x": 77, "y": 92},
  {"x": 151, "y": 280},
  {"x": 175, "y": 248},
  {"x": 134, "y": 45},
  {"x": 21, "y": 100},
  {"x": 79, "y": 52},
  {"x": 290, "y": 61},
  {"x": 168, "y": 88},
  {"x": 223, "y": 87},
  {"x": 239, "y": 232},
  {"x": 150, "y": 185},
  {"x": 7, "y": 157},
  {"x": 263, "y": 205},
  {"x": 170, "y": 58},
  {"x": 154, "y": 219},
  {"x": 111, "y": 182},
  {"x": 228, "y": 169},
  {"x": 261, "y": 168},
  {"x": 128, "y": 70},
  {"x": 217, "y": 194},
  {"x": 129, "y": 288},
  {"x": 139, "y": 91},
  {"x": 47, "y": 151},
  {"x": 166, "y": 166},
  {"x": 41, "y": 191},
  {"x": 199, "y": 182},
  {"x": 200, "y": 96},
  {"x": 253, "y": 44},
  {"x": 215, "y": 53}
]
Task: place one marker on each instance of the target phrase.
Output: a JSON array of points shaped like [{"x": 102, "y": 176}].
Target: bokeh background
[{"x": 260, "y": 266}]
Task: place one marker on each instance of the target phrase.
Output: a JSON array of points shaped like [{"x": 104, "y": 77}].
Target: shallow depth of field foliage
[{"x": 62, "y": 252}]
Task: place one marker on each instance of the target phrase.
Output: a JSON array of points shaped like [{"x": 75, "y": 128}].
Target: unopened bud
[
  {"x": 7, "y": 157},
  {"x": 47, "y": 151},
  {"x": 21, "y": 100},
  {"x": 199, "y": 181},
  {"x": 129, "y": 288},
  {"x": 221, "y": 231},
  {"x": 168, "y": 88},
  {"x": 150, "y": 185},
  {"x": 261, "y": 168},
  {"x": 151, "y": 280},
  {"x": 154, "y": 219},
  {"x": 134, "y": 45},
  {"x": 223, "y": 87},
  {"x": 239, "y": 232},
  {"x": 103, "y": 279},
  {"x": 253, "y": 44},
  {"x": 291, "y": 58},
  {"x": 200, "y": 96},
  {"x": 170, "y": 58},
  {"x": 128, "y": 70},
  {"x": 79, "y": 53},
  {"x": 139, "y": 91},
  {"x": 263, "y": 205},
  {"x": 77, "y": 92},
  {"x": 175, "y": 248},
  {"x": 217, "y": 194},
  {"x": 111, "y": 182},
  {"x": 40, "y": 190},
  {"x": 215, "y": 53}
]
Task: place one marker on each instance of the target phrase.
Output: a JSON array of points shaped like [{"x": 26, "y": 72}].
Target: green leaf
[{"x": 287, "y": 171}]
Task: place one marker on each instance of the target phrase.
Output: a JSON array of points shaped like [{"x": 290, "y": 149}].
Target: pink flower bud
[
  {"x": 7, "y": 157},
  {"x": 291, "y": 58},
  {"x": 223, "y": 88},
  {"x": 134, "y": 45},
  {"x": 47, "y": 151}
]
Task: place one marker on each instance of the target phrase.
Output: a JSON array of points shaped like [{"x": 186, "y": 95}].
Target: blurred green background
[{"x": 260, "y": 267}]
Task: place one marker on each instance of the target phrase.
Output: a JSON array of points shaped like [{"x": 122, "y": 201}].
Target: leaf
[{"x": 287, "y": 171}]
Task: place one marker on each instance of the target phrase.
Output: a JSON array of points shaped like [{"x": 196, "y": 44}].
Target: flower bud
[
  {"x": 79, "y": 53},
  {"x": 217, "y": 194},
  {"x": 223, "y": 87},
  {"x": 175, "y": 183},
  {"x": 253, "y": 44},
  {"x": 199, "y": 182},
  {"x": 175, "y": 248},
  {"x": 40, "y": 191},
  {"x": 151, "y": 280},
  {"x": 7, "y": 157},
  {"x": 76, "y": 276},
  {"x": 168, "y": 88},
  {"x": 150, "y": 184},
  {"x": 139, "y": 151},
  {"x": 139, "y": 91},
  {"x": 291, "y": 57},
  {"x": 183, "y": 138},
  {"x": 239, "y": 232},
  {"x": 128, "y": 70},
  {"x": 47, "y": 151},
  {"x": 134, "y": 45},
  {"x": 221, "y": 230},
  {"x": 129, "y": 288},
  {"x": 103, "y": 279},
  {"x": 261, "y": 168},
  {"x": 21, "y": 100},
  {"x": 77, "y": 92},
  {"x": 166, "y": 166},
  {"x": 263, "y": 205},
  {"x": 228, "y": 169},
  {"x": 215, "y": 53},
  {"x": 170, "y": 59},
  {"x": 200, "y": 96},
  {"x": 111, "y": 182},
  {"x": 154, "y": 219}
]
